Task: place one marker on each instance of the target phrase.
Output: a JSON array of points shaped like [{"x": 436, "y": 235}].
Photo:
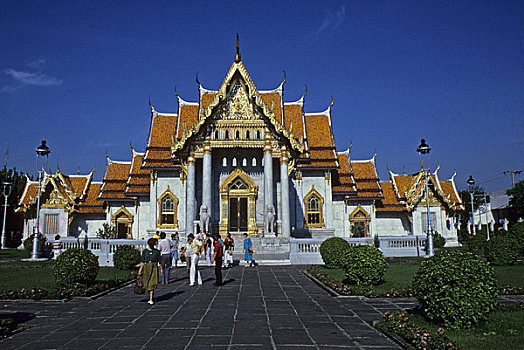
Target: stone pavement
[{"x": 267, "y": 307}]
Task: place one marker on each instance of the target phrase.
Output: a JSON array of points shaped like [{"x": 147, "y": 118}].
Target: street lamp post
[
  {"x": 423, "y": 150},
  {"x": 7, "y": 192},
  {"x": 41, "y": 151},
  {"x": 471, "y": 183}
]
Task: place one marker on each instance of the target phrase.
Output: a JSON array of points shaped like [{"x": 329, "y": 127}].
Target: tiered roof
[
  {"x": 139, "y": 178},
  {"x": 115, "y": 180},
  {"x": 405, "y": 192},
  {"x": 78, "y": 192}
]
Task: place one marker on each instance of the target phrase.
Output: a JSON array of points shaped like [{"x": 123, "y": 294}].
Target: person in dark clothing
[
  {"x": 149, "y": 267},
  {"x": 217, "y": 259}
]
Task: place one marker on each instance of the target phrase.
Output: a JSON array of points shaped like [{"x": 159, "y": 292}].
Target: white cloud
[
  {"x": 332, "y": 20},
  {"x": 30, "y": 78}
]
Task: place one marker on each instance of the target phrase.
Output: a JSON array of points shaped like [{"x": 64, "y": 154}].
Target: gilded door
[{"x": 238, "y": 214}]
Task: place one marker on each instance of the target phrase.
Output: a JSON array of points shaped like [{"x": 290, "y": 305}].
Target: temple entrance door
[
  {"x": 238, "y": 194},
  {"x": 121, "y": 230},
  {"x": 237, "y": 214}
]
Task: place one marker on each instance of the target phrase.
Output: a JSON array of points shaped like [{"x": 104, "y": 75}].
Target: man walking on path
[
  {"x": 217, "y": 259},
  {"x": 165, "y": 246},
  {"x": 196, "y": 249}
]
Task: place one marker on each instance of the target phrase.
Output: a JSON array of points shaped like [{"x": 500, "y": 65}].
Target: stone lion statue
[
  {"x": 205, "y": 216},
  {"x": 269, "y": 218}
]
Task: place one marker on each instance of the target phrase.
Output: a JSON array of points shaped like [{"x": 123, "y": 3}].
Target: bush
[
  {"x": 28, "y": 242},
  {"x": 455, "y": 289},
  {"x": 438, "y": 240},
  {"x": 517, "y": 232},
  {"x": 364, "y": 265},
  {"x": 333, "y": 251},
  {"x": 76, "y": 268},
  {"x": 126, "y": 257},
  {"x": 501, "y": 250}
]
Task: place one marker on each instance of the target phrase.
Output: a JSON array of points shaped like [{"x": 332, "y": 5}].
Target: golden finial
[
  {"x": 284, "y": 76},
  {"x": 176, "y": 93},
  {"x": 198, "y": 82},
  {"x": 237, "y": 57}
]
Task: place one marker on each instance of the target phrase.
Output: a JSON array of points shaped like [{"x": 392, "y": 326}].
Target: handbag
[
  {"x": 183, "y": 257},
  {"x": 139, "y": 286},
  {"x": 250, "y": 251}
]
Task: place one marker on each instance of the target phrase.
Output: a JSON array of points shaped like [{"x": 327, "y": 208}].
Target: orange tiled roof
[
  {"x": 162, "y": 129},
  {"x": 269, "y": 99},
  {"x": 91, "y": 205},
  {"x": 403, "y": 183},
  {"x": 319, "y": 138},
  {"x": 449, "y": 191},
  {"x": 366, "y": 179},
  {"x": 390, "y": 201},
  {"x": 30, "y": 192},
  {"x": 188, "y": 115},
  {"x": 293, "y": 115},
  {"x": 79, "y": 183},
  {"x": 115, "y": 179},
  {"x": 206, "y": 99},
  {"x": 139, "y": 179}
]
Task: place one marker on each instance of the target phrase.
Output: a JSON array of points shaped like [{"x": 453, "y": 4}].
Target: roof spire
[{"x": 237, "y": 57}]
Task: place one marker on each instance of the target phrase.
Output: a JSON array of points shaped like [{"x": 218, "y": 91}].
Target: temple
[{"x": 251, "y": 162}]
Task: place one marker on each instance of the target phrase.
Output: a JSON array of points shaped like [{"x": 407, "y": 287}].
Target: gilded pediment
[
  {"x": 237, "y": 105},
  {"x": 55, "y": 200}
]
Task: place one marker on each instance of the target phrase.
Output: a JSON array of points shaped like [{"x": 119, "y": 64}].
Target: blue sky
[{"x": 453, "y": 72}]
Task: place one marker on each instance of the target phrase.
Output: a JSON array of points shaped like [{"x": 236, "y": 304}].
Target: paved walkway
[{"x": 267, "y": 307}]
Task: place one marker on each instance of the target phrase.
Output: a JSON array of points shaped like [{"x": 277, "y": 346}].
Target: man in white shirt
[
  {"x": 196, "y": 250},
  {"x": 165, "y": 245}
]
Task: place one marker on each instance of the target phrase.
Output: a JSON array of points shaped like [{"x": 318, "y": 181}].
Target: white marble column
[
  {"x": 268, "y": 179},
  {"x": 190, "y": 190},
  {"x": 207, "y": 179},
  {"x": 284, "y": 192}
]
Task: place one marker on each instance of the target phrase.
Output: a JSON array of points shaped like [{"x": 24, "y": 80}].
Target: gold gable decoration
[
  {"x": 252, "y": 95},
  {"x": 237, "y": 105}
]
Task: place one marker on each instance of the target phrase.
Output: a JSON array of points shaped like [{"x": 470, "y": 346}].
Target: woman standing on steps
[
  {"x": 149, "y": 268},
  {"x": 248, "y": 251}
]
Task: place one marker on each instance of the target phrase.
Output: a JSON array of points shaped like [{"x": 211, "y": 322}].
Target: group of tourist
[{"x": 161, "y": 254}]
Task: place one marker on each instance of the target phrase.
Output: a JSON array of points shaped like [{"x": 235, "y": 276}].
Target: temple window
[
  {"x": 237, "y": 135},
  {"x": 359, "y": 222},
  {"x": 244, "y": 162},
  {"x": 247, "y": 134},
  {"x": 313, "y": 203},
  {"x": 168, "y": 204},
  {"x": 254, "y": 162},
  {"x": 234, "y": 162},
  {"x": 216, "y": 134},
  {"x": 226, "y": 136},
  {"x": 51, "y": 224},
  {"x": 258, "y": 134},
  {"x": 224, "y": 161}
]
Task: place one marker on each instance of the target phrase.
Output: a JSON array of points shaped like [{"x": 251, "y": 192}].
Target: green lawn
[
  {"x": 502, "y": 330},
  {"x": 400, "y": 276},
  {"x": 16, "y": 278},
  {"x": 14, "y": 253}
]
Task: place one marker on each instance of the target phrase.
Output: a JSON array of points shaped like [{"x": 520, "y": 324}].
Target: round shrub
[
  {"x": 333, "y": 251},
  {"x": 126, "y": 257},
  {"x": 75, "y": 268},
  {"x": 28, "y": 242},
  {"x": 501, "y": 250},
  {"x": 455, "y": 289},
  {"x": 364, "y": 265},
  {"x": 438, "y": 240}
]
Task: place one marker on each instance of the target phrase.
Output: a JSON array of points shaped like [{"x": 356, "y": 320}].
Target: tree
[
  {"x": 516, "y": 202},
  {"x": 478, "y": 200},
  {"x": 106, "y": 232},
  {"x": 14, "y": 222}
]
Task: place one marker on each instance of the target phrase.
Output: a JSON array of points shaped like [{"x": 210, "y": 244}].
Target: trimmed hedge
[
  {"x": 126, "y": 257},
  {"x": 333, "y": 252},
  {"x": 456, "y": 289},
  {"x": 501, "y": 250},
  {"x": 76, "y": 268},
  {"x": 364, "y": 265}
]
